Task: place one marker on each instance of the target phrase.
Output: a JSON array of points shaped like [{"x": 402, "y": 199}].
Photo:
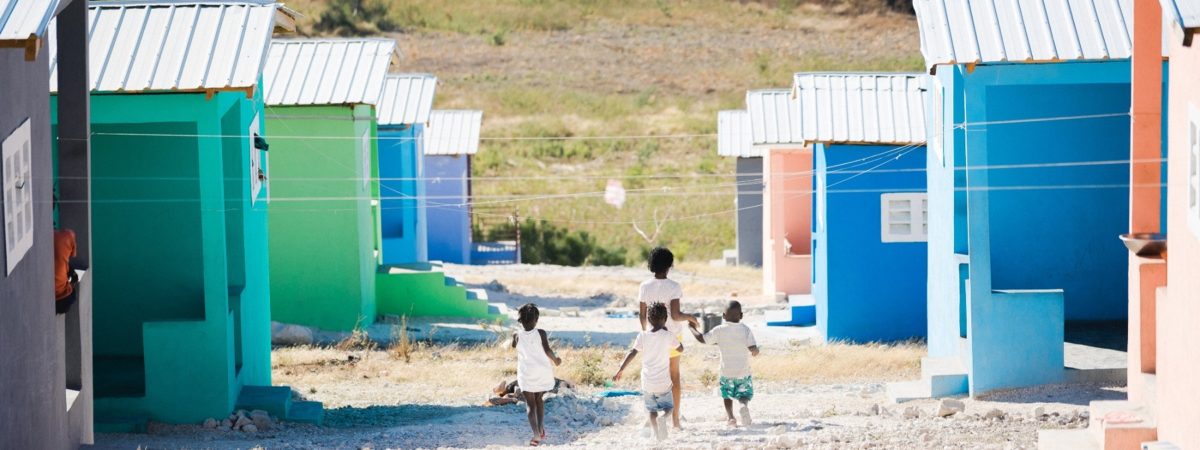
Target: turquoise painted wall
[
  {"x": 179, "y": 258},
  {"x": 323, "y": 228},
  {"x": 402, "y": 192}
]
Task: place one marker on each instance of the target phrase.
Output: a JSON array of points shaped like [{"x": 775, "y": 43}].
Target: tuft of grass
[
  {"x": 708, "y": 378},
  {"x": 358, "y": 340},
  {"x": 402, "y": 346}
]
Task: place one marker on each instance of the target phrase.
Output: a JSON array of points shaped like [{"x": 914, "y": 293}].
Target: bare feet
[{"x": 732, "y": 423}]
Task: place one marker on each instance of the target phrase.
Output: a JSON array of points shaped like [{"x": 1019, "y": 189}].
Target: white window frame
[
  {"x": 16, "y": 159},
  {"x": 1193, "y": 178},
  {"x": 917, "y": 218},
  {"x": 365, "y": 142},
  {"x": 256, "y": 161}
]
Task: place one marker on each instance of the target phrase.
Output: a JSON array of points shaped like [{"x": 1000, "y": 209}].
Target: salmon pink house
[{"x": 787, "y": 203}]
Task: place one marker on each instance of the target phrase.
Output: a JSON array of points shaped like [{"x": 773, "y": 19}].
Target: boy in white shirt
[
  {"x": 656, "y": 346},
  {"x": 736, "y": 343}
]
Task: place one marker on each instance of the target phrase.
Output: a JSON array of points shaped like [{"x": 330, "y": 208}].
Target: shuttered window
[
  {"x": 904, "y": 217},
  {"x": 257, "y": 172},
  {"x": 18, "y": 195}
]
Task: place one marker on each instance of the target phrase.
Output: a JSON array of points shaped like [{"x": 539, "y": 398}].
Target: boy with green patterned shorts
[{"x": 736, "y": 343}]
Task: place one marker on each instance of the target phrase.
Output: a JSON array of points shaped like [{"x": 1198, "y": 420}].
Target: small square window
[
  {"x": 18, "y": 195},
  {"x": 257, "y": 171},
  {"x": 904, "y": 217}
]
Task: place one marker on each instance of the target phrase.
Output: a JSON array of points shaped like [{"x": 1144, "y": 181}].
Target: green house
[
  {"x": 324, "y": 238},
  {"x": 179, "y": 213}
]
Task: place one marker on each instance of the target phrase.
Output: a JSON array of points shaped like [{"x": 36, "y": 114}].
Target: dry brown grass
[{"x": 454, "y": 374}]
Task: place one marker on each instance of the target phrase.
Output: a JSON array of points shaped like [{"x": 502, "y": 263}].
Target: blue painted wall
[
  {"x": 447, "y": 187},
  {"x": 1026, "y": 231},
  {"x": 865, "y": 289},
  {"x": 402, "y": 208}
]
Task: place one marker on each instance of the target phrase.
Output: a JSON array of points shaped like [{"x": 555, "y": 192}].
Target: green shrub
[{"x": 356, "y": 17}]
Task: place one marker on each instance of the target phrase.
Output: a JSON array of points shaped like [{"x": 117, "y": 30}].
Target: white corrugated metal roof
[
  {"x": 991, "y": 31},
  {"x": 407, "y": 98},
  {"x": 326, "y": 71},
  {"x": 20, "y": 19},
  {"x": 1184, "y": 14},
  {"x": 773, "y": 118},
  {"x": 861, "y": 108},
  {"x": 453, "y": 132},
  {"x": 733, "y": 135},
  {"x": 171, "y": 45}
]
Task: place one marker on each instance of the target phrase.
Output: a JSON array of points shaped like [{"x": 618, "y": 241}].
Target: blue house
[
  {"x": 1028, "y": 179},
  {"x": 452, "y": 137},
  {"x": 733, "y": 141},
  {"x": 869, "y": 230},
  {"x": 403, "y": 114}
]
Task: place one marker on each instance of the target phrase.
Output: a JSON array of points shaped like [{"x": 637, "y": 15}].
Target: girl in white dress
[{"x": 535, "y": 369}]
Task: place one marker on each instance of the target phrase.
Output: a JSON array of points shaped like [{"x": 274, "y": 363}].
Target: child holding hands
[
  {"x": 736, "y": 343},
  {"x": 655, "y": 345}
]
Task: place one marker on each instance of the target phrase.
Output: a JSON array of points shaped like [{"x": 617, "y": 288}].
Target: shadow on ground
[{"x": 1071, "y": 394}]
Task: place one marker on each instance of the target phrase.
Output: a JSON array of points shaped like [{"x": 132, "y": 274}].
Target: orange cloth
[{"x": 64, "y": 250}]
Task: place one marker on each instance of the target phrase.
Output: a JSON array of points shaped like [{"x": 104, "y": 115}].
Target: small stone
[
  {"x": 778, "y": 429},
  {"x": 950, "y": 407},
  {"x": 605, "y": 422},
  {"x": 874, "y": 410},
  {"x": 210, "y": 423},
  {"x": 241, "y": 422},
  {"x": 1039, "y": 412},
  {"x": 227, "y": 423},
  {"x": 249, "y": 428},
  {"x": 224, "y": 428},
  {"x": 912, "y": 412},
  {"x": 994, "y": 414}
]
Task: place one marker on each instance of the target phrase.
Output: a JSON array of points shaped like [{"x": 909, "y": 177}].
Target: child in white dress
[{"x": 535, "y": 369}]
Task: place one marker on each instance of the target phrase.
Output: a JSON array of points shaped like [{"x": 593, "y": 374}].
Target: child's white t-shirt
[
  {"x": 655, "y": 348},
  {"x": 662, "y": 291},
  {"x": 734, "y": 340}
]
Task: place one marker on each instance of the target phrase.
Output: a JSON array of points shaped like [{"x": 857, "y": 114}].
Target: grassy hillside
[{"x": 578, "y": 68}]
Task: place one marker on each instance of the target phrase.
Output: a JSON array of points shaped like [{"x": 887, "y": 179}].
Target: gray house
[
  {"x": 46, "y": 377},
  {"x": 734, "y": 141}
]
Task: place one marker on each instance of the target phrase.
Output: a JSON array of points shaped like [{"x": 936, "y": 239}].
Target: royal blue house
[
  {"x": 869, "y": 227},
  {"x": 1028, "y": 186},
  {"x": 452, "y": 137},
  {"x": 404, "y": 109}
]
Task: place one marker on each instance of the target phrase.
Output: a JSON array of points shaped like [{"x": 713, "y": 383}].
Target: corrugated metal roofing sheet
[
  {"x": 20, "y": 19},
  {"x": 171, "y": 45},
  {"x": 326, "y": 71},
  {"x": 733, "y": 135},
  {"x": 453, "y": 132},
  {"x": 990, "y": 31},
  {"x": 407, "y": 98},
  {"x": 1184, "y": 13},
  {"x": 861, "y": 108},
  {"x": 773, "y": 117}
]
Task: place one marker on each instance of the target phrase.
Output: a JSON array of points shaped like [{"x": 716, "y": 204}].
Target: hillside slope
[{"x": 577, "y": 68}]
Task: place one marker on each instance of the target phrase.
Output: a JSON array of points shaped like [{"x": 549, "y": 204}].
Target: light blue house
[
  {"x": 403, "y": 115},
  {"x": 452, "y": 137},
  {"x": 734, "y": 141},
  {"x": 869, "y": 229},
  {"x": 1028, "y": 186}
]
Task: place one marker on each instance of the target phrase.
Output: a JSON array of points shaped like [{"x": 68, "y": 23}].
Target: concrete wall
[
  {"x": 1178, "y": 336},
  {"x": 787, "y": 218},
  {"x": 403, "y": 209},
  {"x": 33, "y": 377},
  {"x": 750, "y": 211},
  {"x": 865, "y": 289},
  {"x": 322, "y": 233},
  {"x": 448, "y": 187}
]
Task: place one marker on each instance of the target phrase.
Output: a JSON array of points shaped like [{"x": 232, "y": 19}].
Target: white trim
[
  {"x": 17, "y": 165},
  {"x": 365, "y": 139},
  {"x": 937, "y": 142},
  {"x": 904, "y": 217}
]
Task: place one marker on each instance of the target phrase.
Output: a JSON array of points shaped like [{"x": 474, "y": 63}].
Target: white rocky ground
[{"x": 368, "y": 408}]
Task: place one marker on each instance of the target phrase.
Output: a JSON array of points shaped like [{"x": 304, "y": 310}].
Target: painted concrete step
[
  {"x": 801, "y": 311},
  {"x": 450, "y": 281},
  {"x": 1159, "y": 445},
  {"x": 1066, "y": 440},
  {"x": 477, "y": 294},
  {"x": 905, "y": 391},
  {"x": 801, "y": 300},
  {"x": 307, "y": 412},
  {"x": 1121, "y": 424},
  {"x": 275, "y": 400},
  {"x": 121, "y": 424}
]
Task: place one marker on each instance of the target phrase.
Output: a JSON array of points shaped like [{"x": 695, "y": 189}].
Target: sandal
[{"x": 535, "y": 442}]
